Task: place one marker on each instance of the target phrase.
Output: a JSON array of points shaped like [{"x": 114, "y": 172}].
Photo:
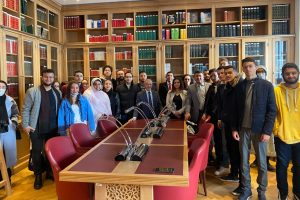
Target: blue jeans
[
  {"x": 246, "y": 137},
  {"x": 285, "y": 153}
]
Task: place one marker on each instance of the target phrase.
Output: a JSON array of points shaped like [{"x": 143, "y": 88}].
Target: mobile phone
[{"x": 164, "y": 170}]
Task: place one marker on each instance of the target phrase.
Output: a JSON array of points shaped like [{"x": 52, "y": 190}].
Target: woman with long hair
[
  {"x": 177, "y": 96},
  {"x": 8, "y": 124},
  {"x": 75, "y": 108}
]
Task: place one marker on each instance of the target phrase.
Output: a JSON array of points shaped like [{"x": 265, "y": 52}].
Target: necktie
[
  {"x": 150, "y": 99},
  {"x": 169, "y": 86}
]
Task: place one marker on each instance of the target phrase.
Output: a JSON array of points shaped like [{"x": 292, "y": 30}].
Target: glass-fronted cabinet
[
  {"x": 123, "y": 58},
  {"x": 147, "y": 62},
  {"x": 229, "y": 50},
  {"x": 174, "y": 59},
  {"x": 12, "y": 66},
  {"x": 198, "y": 57},
  {"x": 28, "y": 64},
  {"x": 43, "y": 57},
  {"x": 256, "y": 50},
  {"x": 54, "y": 61},
  {"x": 75, "y": 61},
  {"x": 280, "y": 58},
  {"x": 97, "y": 60}
]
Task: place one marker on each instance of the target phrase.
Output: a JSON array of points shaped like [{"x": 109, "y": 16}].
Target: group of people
[{"x": 243, "y": 111}]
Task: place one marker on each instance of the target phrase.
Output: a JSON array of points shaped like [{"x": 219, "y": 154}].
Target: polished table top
[{"x": 98, "y": 164}]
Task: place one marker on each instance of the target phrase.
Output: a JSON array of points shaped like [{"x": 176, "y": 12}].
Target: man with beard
[
  {"x": 107, "y": 72},
  {"x": 39, "y": 120},
  {"x": 120, "y": 78},
  {"x": 287, "y": 130},
  {"x": 206, "y": 76},
  {"x": 142, "y": 79}
]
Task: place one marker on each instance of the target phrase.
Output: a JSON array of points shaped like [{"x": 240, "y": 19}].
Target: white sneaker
[{"x": 222, "y": 171}]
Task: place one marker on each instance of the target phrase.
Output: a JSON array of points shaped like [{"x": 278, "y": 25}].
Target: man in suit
[
  {"x": 150, "y": 97},
  {"x": 165, "y": 87},
  {"x": 196, "y": 98}
]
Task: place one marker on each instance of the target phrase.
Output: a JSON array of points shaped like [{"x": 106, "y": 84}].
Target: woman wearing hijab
[
  {"x": 75, "y": 108},
  {"x": 8, "y": 124},
  {"x": 98, "y": 99}
]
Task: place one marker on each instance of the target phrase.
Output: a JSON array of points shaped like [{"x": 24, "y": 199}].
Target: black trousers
[
  {"x": 39, "y": 159},
  {"x": 233, "y": 151}
]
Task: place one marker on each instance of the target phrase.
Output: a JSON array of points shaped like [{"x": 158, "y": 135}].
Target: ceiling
[{"x": 73, "y": 2}]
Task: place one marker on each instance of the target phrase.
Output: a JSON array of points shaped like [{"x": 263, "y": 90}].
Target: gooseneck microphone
[{"x": 149, "y": 107}]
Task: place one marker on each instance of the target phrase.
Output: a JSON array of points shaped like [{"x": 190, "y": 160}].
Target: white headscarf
[{"x": 98, "y": 100}]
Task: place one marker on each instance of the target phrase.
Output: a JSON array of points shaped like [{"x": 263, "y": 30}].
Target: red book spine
[{"x": 167, "y": 34}]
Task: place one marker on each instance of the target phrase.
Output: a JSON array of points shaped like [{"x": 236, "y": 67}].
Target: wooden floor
[{"x": 22, "y": 186}]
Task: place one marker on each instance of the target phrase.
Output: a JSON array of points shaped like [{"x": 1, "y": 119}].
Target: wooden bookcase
[{"x": 187, "y": 36}]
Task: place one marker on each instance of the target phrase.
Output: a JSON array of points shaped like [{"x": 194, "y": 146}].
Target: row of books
[
  {"x": 11, "y": 46},
  {"x": 228, "y": 30},
  {"x": 13, "y": 89},
  {"x": 169, "y": 52},
  {"x": 124, "y": 37},
  {"x": 11, "y": 4},
  {"x": 41, "y": 14},
  {"x": 95, "y": 72},
  {"x": 199, "y": 50},
  {"x": 280, "y": 11},
  {"x": 280, "y": 27},
  {"x": 234, "y": 63},
  {"x": 196, "y": 17},
  {"x": 124, "y": 55},
  {"x": 11, "y": 21},
  {"x": 43, "y": 52},
  {"x": 146, "y": 35},
  {"x": 97, "y": 38},
  {"x": 12, "y": 68},
  {"x": 149, "y": 69},
  {"x": 100, "y": 23},
  {"x": 248, "y": 29},
  {"x": 24, "y": 27},
  {"x": 146, "y": 20},
  {"x": 199, "y": 31},
  {"x": 147, "y": 53},
  {"x": 230, "y": 15},
  {"x": 127, "y": 22},
  {"x": 24, "y": 7},
  {"x": 73, "y": 22},
  {"x": 253, "y": 13},
  {"x": 28, "y": 68},
  {"x": 174, "y": 33},
  {"x": 229, "y": 49},
  {"x": 254, "y": 48},
  {"x": 53, "y": 19},
  {"x": 177, "y": 18},
  {"x": 42, "y": 32},
  {"x": 97, "y": 55},
  {"x": 198, "y": 67}
]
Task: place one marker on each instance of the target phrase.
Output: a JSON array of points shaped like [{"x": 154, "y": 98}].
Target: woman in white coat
[
  {"x": 177, "y": 96},
  {"x": 8, "y": 124},
  {"x": 98, "y": 99}
]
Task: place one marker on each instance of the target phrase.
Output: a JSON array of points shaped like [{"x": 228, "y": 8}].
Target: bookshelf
[
  {"x": 173, "y": 24},
  {"x": 74, "y": 28},
  {"x": 254, "y": 20},
  {"x": 281, "y": 47},
  {"x": 123, "y": 58},
  {"x": 280, "y": 19},
  {"x": 27, "y": 16},
  {"x": 122, "y": 27},
  {"x": 146, "y": 26},
  {"x": 97, "y": 60},
  {"x": 97, "y": 28},
  {"x": 198, "y": 57},
  {"x": 147, "y": 62},
  {"x": 12, "y": 66},
  {"x": 257, "y": 51},
  {"x": 228, "y": 22},
  {"x": 43, "y": 57},
  {"x": 174, "y": 61},
  {"x": 231, "y": 51},
  {"x": 75, "y": 61},
  {"x": 28, "y": 64},
  {"x": 199, "y": 23},
  {"x": 54, "y": 61}
]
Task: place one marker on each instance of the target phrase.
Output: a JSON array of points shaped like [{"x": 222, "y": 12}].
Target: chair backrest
[
  {"x": 81, "y": 136},
  {"x": 106, "y": 127},
  {"x": 60, "y": 153},
  {"x": 206, "y": 131},
  {"x": 189, "y": 192}
]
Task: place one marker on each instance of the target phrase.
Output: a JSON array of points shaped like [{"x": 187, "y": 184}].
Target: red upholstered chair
[
  {"x": 200, "y": 123},
  {"x": 82, "y": 138},
  {"x": 61, "y": 152},
  {"x": 105, "y": 127},
  {"x": 189, "y": 192}
]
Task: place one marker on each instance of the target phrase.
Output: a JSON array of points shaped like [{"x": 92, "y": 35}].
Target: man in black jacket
[
  {"x": 253, "y": 119},
  {"x": 165, "y": 87},
  {"x": 127, "y": 94},
  {"x": 225, "y": 108}
]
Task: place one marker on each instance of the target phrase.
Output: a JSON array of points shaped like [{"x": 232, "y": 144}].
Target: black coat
[
  {"x": 263, "y": 106},
  {"x": 127, "y": 96},
  {"x": 211, "y": 103},
  {"x": 114, "y": 103},
  {"x": 163, "y": 91}
]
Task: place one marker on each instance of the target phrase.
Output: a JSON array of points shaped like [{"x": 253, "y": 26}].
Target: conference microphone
[
  {"x": 191, "y": 123},
  {"x": 149, "y": 107},
  {"x": 129, "y": 109}
]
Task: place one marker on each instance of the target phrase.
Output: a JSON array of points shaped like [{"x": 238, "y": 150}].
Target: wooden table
[{"x": 133, "y": 179}]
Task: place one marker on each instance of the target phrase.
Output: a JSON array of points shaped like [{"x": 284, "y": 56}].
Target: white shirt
[{"x": 76, "y": 111}]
